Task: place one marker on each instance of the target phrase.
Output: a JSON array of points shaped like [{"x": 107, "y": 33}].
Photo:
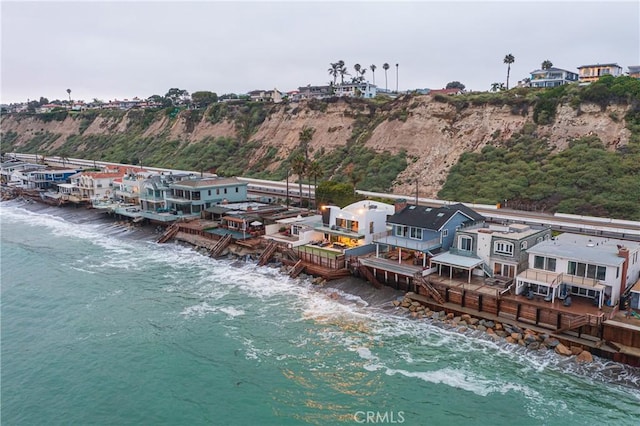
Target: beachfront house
[
  {"x": 355, "y": 225},
  {"x": 590, "y": 73},
  {"x": 192, "y": 196},
  {"x": 496, "y": 251},
  {"x": 422, "y": 231},
  {"x": 552, "y": 77},
  {"x": 87, "y": 186},
  {"x": 600, "y": 269}
]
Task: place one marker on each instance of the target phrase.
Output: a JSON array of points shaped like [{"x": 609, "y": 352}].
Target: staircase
[
  {"x": 292, "y": 255},
  {"x": 267, "y": 253},
  {"x": 169, "y": 233},
  {"x": 575, "y": 322},
  {"x": 419, "y": 279},
  {"x": 368, "y": 275},
  {"x": 297, "y": 269},
  {"x": 222, "y": 244},
  {"x": 487, "y": 270}
]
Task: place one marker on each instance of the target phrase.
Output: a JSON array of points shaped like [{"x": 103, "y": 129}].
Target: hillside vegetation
[{"x": 570, "y": 149}]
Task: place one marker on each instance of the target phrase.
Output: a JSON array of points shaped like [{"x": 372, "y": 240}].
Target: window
[
  {"x": 209, "y": 192},
  {"x": 225, "y": 190},
  {"x": 218, "y": 191},
  {"x": 415, "y": 233},
  {"x": 503, "y": 247},
  {"x": 237, "y": 189},
  {"x": 523, "y": 245},
  {"x": 584, "y": 270},
  {"x": 401, "y": 230},
  {"x": 371, "y": 227},
  {"x": 445, "y": 232},
  {"x": 551, "y": 264},
  {"x": 465, "y": 243},
  {"x": 538, "y": 262}
]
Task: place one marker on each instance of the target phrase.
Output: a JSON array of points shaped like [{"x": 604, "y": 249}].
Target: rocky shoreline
[{"x": 512, "y": 334}]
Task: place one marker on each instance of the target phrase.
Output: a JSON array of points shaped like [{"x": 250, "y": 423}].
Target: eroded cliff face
[{"x": 433, "y": 134}]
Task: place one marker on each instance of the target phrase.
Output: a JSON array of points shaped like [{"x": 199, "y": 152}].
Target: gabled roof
[
  {"x": 550, "y": 69},
  {"x": 433, "y": 218}
]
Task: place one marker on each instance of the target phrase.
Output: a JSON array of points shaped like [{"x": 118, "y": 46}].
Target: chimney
[
  {"x": 400, "y": 204},
  {"x": 623, "y": 252}
]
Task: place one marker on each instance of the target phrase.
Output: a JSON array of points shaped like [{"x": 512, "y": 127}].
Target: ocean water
[{"x": 102, "y": 326}]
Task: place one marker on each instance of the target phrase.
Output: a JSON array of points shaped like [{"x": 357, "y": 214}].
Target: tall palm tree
[
  {"x": 69, "y": 93},
  {"x": 509, "y": 59},
  {"x": 304, "y": 137},
  {"x": 342, "y": 70},
  {"x": 299, "y": 166},
  {"x": 396, "y": 78},
  {"x": 333, "y": 71},
  {"x": 372, "y": 67},
  {"x": 495, "y": 86},
  {"x": 357, "y": 67},
  {"x": 547, "y": 64},
  {"x": 385, "y": 67},
  {"x": 314, "y": 171}
]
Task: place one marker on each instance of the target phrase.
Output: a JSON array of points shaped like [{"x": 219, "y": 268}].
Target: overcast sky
[{"x": 116, "y": 49}]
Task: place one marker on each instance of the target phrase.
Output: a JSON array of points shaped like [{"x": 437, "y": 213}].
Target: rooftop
[
  {"x": 514, "y": 231},
  {"x": 601, "y": 251}
]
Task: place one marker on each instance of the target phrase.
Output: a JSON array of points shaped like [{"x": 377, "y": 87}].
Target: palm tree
[
  {"x": 497, "y": 86},
  {"x": 69, "y": 93},
  {"x": 314, "y": 171},
  {"x": 373, "y": 71},
  {"x": 305, "y": 136},
  {"x": 342, "y": 70},
  {"x": 546, "y": 64},
  {"x": 396, "y": 78},
  {"x": 357, "y": 67},
  {"x": 385, "y": 67},
  {"x": 299, "y": 166},
  {"x": 509, "y": 59},
  {"x": 333, "y": 71}
]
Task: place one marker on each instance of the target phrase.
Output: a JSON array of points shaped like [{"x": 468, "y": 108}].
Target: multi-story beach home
[
  {"x": 600, "y": 269},
  {"x": 87, "y": 186},
  {"x": 11, "y": 171},
  {"x": 500, "y": 251},
  {"x": 192, "y": 196},
  {"x": 552, "y": 77},
  {"x": 354, "y": 225},
  {"x": 634, "y": 71},
  {"x": 424, "y": 231},
  {"x": 590, "y": 73},
  {"x": 127, "y": 188}
]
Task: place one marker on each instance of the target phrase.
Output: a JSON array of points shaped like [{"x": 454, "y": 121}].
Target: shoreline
[{"x": 386, "y": 298}]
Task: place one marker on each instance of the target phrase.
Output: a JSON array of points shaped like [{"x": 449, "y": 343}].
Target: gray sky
[{"x": 117, "y": 49}]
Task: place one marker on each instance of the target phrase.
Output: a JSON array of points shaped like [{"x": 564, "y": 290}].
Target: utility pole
[
  {"x": 416, "y": 191},
  {"x": 287, "y": 188},
  {"x": 396, "y": 78}
]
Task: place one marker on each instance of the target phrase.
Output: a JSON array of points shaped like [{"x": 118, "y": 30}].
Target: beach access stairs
[
  {"x": 368, "y": 275},
  {"x": 222, "y": 244},
  {"x": 169, "y": 233},
  {"x": 420, "y": 280},
  {"x": 267, "y": 253},
  {"x": 297, "y": 269}
]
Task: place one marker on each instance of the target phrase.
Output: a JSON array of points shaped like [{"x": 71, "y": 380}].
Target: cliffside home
[
  {"x": 583, "y": 266},
  {"x": 314, "y": 92},
  {"x": 423, "y": 231},
  {"x": 634, "y": 71},
  {"x": 355, "y": 90},
  {"x": 552, "y": 77},
  {"x": 590, "y": 73}
]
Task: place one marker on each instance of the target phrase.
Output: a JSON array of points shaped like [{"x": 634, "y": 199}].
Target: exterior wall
[{"x": 451, "y": 226}]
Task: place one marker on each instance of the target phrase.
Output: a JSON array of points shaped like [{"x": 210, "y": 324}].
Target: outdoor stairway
[
  {"x": 366, "y": 272},
  {"x": 222, "y": 244},
  {"x": 574, "y": 323},
  {"x": 292, "y": 255},
  {"x": 297, "y": 269},
  {"x": 419, "y": 279},
  {"x": 487, "y": 270},
  {"x": 169, "y": 233},
  {"x": 267, "y": 253}
]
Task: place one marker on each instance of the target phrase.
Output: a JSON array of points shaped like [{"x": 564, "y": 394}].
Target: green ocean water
[{"x": 101, "y": 326}]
